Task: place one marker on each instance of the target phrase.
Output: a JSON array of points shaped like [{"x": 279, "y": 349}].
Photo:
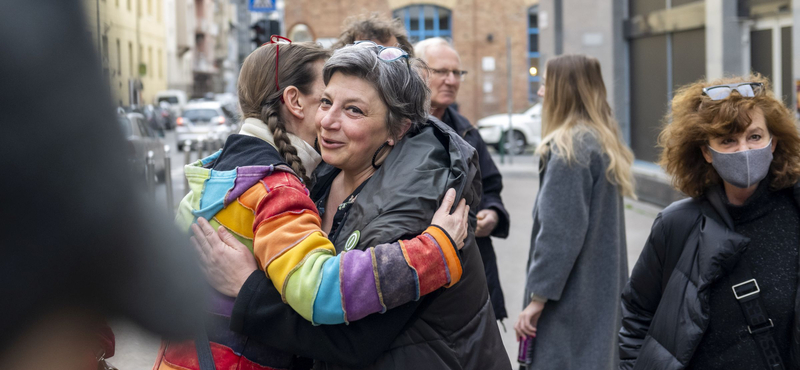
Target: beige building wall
[{"x": 132, "y": 34}]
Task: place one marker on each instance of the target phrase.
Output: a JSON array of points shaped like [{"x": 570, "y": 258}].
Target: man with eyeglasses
[{"x": 444, "y": 79}]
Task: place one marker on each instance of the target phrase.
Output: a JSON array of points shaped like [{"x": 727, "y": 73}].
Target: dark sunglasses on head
[
  {"x": 745, "y": 89},
  {"x": 385, "y": 53}
]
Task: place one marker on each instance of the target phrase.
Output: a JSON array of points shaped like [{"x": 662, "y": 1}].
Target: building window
[
  {"x": 158, "y": 10},
  {"x": 119, "y": 58},
  {"x": 159, "y": 62},
  {"x": 105, "y": 50},
  {"x": 150, "y": 61},
  {"x": 130, "y": 59},
  {"x": 300, "y": 32},
  {"x": 149, "y": 7},
  {"x": 534, "y": 70},
  {"x": 129, "y": 5},
  {"x": 425, "y": 21},
  {"x": 140, "y": 61}
]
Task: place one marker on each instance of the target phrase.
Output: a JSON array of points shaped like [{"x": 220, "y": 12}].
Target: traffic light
[{"x": 261, "y": 29}]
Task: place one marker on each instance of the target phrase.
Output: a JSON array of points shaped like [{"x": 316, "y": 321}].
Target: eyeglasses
[
  {"x": 745, "y": 89},
  {"x": 277, "y": 39},
  {"x": 444, "y": 73},
  {"x": 386, "y": 53}
]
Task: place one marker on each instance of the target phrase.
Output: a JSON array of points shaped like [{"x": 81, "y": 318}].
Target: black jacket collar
[{"x": 243, "y": 150}]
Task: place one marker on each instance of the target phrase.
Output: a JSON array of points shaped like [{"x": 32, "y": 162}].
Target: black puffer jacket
[
  {"x": 452, "y": 328},
  {"x": 665, "y": 304}
]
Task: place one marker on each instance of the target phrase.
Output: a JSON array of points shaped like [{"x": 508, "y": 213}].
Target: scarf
[{"x": 308, "y": 156}]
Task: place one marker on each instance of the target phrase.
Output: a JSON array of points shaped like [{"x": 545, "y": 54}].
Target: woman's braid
[{"x": 269, "y": 114}]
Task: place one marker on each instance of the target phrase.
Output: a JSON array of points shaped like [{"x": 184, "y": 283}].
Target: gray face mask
[{"x": 743, "y": 169}]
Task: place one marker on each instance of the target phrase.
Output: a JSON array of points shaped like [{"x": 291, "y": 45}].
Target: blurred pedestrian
[
  {"x": 377, "y": 28},
  {"x": 716, "y": 286},
  {"x": 578, "y": 263},
  {"x": 387, "y": 167},
  {"x": 78, "y": 241},
  {"x": 444, "y": 79}
]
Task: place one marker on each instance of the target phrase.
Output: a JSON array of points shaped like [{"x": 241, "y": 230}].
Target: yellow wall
[{"x": 118, "y": 20}]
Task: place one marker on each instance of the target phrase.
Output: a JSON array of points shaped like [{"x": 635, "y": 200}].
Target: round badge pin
[{"x": 352, "y": 240}]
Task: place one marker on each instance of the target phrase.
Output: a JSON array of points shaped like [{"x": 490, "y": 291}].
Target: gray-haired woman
[{"x": 387, "y": 166}]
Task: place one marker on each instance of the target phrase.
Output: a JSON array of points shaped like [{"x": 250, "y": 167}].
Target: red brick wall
[{"x": 473, "y": 22}]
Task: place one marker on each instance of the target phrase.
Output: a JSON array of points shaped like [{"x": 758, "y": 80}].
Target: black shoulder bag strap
[
  {"x": 759, "y": 325},
  {"x": 203, "y": 347}
]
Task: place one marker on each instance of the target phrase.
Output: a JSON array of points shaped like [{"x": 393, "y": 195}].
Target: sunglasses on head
[
  {"x": 745, "y": 89},
  {"x": 385, "y": 53}
]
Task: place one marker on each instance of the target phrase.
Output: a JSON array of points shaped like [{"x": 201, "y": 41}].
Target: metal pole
[
  {"x": 168, "y": 179},
  {"x": 187, "y": 153},
  {"x": 151, "y": 172},
  {"x": 201, "y": 148},
  {"x": 510, "y": 132}
]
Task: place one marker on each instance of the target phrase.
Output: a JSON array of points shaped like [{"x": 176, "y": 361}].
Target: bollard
[
  {"x": 201, "y": 147},
  {"x": 187, "y": 153},
  {"x": 150, "y": 172},
  {"x": 168, "y": 179}
]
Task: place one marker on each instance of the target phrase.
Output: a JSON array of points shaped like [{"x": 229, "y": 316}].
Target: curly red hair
[{"x": 695, "y": 119}]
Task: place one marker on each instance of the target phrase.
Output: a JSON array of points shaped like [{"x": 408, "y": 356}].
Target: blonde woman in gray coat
[{"x": 577, "y": 265}]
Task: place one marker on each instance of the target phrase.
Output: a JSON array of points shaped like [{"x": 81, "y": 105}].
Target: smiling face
[
  {"x": 756, "y": 136},
  {"x": 307, "y": 128},
  {"x": 444, "y": 88},
  {"x": 351, "y": 123}
]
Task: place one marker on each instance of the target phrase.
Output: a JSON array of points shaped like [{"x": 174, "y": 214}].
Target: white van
[{"x": 176, "y": 99}]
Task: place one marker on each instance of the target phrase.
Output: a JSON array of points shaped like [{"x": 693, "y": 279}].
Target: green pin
[{"x": 352, "y": 240}]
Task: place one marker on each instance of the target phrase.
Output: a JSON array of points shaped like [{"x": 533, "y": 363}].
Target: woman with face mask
[{"x": 716, "y": 284}]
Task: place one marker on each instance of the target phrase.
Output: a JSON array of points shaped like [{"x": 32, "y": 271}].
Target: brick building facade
[{"x": 478, "y": 30}]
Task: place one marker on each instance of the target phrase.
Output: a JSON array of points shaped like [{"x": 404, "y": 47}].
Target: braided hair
[
  {"x": 259, "y": 96},
  {"x": 271, "y": 116}
]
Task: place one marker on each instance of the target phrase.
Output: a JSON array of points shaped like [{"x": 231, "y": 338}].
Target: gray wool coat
[{"x": 578, "y": 261}]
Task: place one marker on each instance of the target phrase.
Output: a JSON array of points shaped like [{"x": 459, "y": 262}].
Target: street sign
[{"x": 261, "y": 5}]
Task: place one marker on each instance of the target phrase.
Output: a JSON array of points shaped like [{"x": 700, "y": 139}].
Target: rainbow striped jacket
[{"x": 250, "y": 191}]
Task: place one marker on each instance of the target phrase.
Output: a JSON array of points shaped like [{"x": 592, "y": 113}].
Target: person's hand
[
  {"x": 456, "y": 224},
  {"x": 528, "y": 319},
  {"x": 226, "y": 262},
  {"x": 487, "y": 221}
]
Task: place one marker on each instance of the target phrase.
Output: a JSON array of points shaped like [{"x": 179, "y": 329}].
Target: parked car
[
  {"x": 527, "y": 129},
  {"x": 142, "y": 139},
  {"x": 203, "y": 120}
]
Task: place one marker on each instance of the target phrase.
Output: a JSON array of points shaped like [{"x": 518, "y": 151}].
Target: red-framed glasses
[{"x": 277, "y": 39}]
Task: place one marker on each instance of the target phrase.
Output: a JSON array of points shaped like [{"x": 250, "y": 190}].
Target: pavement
[{"x": 136, "y": 349}]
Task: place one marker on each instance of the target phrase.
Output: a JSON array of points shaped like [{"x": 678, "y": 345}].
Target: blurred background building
[
  {"x": 152, "y": 45},
  {"x": 478, "y": 30},
  {"x": 647, "y": 48},
  {"x": 130, "y": 36}
]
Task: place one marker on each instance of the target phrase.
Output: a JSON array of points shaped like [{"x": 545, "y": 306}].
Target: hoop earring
[{"x": 375, "y": 156}]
